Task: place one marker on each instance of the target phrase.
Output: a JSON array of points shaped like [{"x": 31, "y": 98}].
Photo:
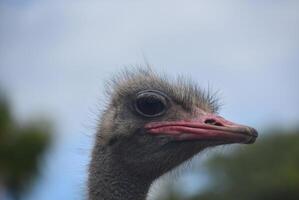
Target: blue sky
[{"x": 55, "y": 56}]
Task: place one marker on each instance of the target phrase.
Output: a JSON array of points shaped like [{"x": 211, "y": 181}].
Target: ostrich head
[{"x": 153, "y": 124}]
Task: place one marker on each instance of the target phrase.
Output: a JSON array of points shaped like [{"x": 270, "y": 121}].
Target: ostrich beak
[{"x": 207, "y": 127}]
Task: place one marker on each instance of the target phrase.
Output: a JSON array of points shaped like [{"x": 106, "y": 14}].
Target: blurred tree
[
  {"x": 20, "y": 150},
  {"x": 268, "y": 170}
]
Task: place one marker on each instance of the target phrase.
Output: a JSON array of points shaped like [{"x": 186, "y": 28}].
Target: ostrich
[{"x": 150, "y": 126}]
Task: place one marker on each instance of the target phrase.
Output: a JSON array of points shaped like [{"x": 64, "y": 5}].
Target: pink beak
[{"x": 208, "y": 127}]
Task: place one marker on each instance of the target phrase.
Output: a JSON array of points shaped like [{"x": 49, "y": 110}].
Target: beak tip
[
  {"x": 253, "y": 132},
  {"x": 254, "y": 135}
]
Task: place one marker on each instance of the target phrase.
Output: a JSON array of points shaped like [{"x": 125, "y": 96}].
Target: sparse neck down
[{"x": 109, "y": 180}]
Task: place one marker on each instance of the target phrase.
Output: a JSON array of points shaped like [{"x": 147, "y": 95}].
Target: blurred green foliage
[
  {"x": 21, "y": 147},
  {"x": 267, "y": 170}
]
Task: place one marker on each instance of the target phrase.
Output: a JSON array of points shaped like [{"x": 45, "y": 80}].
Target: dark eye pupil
[{"x": 150, "y": 105}]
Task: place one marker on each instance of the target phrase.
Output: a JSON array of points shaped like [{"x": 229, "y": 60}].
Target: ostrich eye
[{"x": 151, "y": 103}]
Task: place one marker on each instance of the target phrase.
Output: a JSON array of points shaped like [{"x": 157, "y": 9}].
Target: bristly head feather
[{"x": 181, "y": 90}]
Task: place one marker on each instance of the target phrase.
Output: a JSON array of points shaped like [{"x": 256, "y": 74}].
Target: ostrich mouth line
[{"x": 227, "y": 132}]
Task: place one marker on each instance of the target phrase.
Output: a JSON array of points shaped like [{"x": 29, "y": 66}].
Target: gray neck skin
[{"x": 108, "y": 180}]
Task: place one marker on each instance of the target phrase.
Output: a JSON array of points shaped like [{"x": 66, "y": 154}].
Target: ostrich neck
[{"x": 109, "y": 180}]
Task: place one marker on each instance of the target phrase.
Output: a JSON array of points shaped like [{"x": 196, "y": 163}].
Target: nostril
[{"x": 212, "y": 122}]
